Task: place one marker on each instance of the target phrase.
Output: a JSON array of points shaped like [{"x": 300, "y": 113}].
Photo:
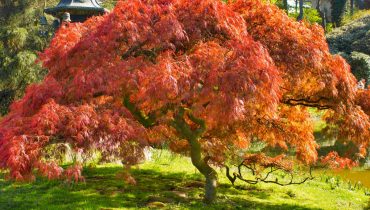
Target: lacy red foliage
[
  {"x": 50, "y": 170},
  {"x": 363, "y": 100},
  {"x": 264, "y": 162},
  {"x": 73, "y": 174},
  {"x": 116, "y": 82},
  {"x": 333, "y": 160}
]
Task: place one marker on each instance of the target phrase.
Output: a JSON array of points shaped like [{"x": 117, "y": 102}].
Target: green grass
[{"x": 172, "y": 182}]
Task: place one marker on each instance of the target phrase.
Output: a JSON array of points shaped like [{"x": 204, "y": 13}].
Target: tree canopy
[{"x": 205, "y": 77}]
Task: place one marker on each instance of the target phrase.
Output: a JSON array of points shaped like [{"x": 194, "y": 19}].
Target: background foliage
[
  {"x": 20, "y": 40},
  {"x": 352, "y": 41}
]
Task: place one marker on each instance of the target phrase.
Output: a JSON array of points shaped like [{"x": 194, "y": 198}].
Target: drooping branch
[
  {"x": 258, "y": 177},
  {"x": 265, "y": 179},
  {"x": 306, "y": 102},
  {"x": 231, "y": 178}
]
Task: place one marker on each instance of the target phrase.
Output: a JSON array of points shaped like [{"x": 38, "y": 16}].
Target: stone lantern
[{"x": 76, "y": 10}]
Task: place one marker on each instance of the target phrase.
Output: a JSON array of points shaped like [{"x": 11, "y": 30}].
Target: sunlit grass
[{"x": 171, "y": 182}]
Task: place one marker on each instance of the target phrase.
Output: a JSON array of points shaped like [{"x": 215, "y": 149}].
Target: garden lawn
[{"x": 171, "y": 182}]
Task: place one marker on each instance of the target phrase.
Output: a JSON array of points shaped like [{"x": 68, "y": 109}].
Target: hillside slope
[
  {"x": 352, "y": 41},
  {"x": 354, "y": 36}
]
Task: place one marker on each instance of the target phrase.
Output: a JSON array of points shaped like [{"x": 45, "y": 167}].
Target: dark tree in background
[
  {"x": 338, "y": 10},
  {"x": 300, "y": 16}
]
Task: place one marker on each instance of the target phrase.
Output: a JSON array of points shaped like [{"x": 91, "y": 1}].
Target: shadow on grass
[{"x": 102, "y": 190}]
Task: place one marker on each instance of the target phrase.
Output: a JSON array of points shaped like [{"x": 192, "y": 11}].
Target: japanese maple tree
[{"x": 202, "y": 76}]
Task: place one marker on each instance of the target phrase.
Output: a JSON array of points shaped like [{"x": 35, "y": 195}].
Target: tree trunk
[
  {"x": 208, "y": 172},
  {"x": 352, "y": 6},
  {"x": 210, "y": 188},
  {"x": 286, "y": 6},
  {"x": 337, "y": 11},
  {"x": 296, "y": 6},
  {"x": 323, "y": 21},
  {"x": 201, "y": 163},
  {"x": 322, "y": 15},
  {"x": 300, "y": 16}
]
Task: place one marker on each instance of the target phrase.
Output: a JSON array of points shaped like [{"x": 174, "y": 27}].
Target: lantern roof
[{"x": 76, "y": 7}]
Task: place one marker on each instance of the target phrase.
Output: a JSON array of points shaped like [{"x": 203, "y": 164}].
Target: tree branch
[
  {"x": 202, "y": 124},
  {"x": 231, "y": 178},
  {"x": 306, "y": 102},
  {"x": 133, "y": 49},
  {"x": 146, "y": 120},
  {"x": 238, "y": 175}
]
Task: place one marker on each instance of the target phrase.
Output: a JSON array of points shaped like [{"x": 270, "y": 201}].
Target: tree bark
[
  {"x": 323, "y": 19},
  {"x": 286, "y": 6},
  {"x": 204, "y": 168},
  {"x": 300, "y": 16},
  {"x": 201, "y": 163},
  {"x": 192, "y": 136},
  {"x": 322, "y": 15}
]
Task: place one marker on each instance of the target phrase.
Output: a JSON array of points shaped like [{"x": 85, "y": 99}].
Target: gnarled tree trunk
[
  {"x": 201, "y": 163},
  {"x": 208, "y": 172}
]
